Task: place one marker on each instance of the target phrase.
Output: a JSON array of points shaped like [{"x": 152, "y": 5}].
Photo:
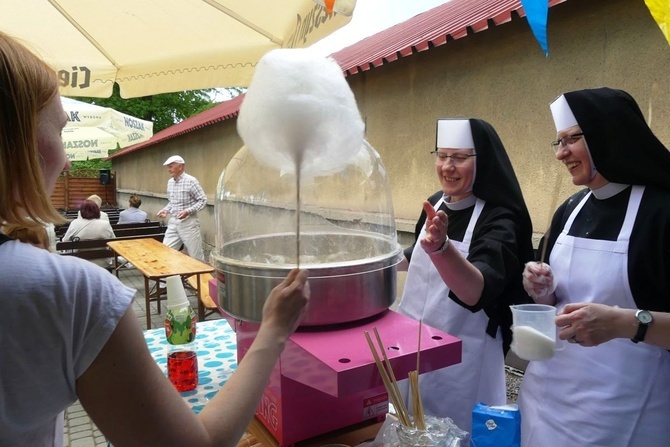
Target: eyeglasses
[
  {"x": 567, "y": 140},
  {"x": 456, "y": 159}
]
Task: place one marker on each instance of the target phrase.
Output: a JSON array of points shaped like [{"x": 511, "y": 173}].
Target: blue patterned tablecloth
[{"x": 216, "y": 346}]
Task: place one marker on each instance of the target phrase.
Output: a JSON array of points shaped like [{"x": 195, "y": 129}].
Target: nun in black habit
[
  {"x": 474, "y": 238},
  {"x": 609, "y": 277}
]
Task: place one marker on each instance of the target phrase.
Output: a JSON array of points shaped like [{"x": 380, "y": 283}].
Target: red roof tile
[
  {"x": 432, "y": 28},
  {"x": 220, "y": 112}
]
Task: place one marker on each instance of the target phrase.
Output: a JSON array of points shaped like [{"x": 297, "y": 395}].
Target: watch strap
[
  {"x": 641, "y": 329},
  {"x": 641, "y": 333}
]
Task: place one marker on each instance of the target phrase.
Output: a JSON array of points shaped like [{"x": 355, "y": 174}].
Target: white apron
[
  {"x": 615, "y": 394},
  {"x": 453, "y": 391}
]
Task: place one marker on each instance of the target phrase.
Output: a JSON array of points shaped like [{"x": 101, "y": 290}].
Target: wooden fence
[{"x": 73, "y": 188}]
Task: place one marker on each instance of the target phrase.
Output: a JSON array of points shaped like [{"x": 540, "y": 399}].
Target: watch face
[{"x": 644, "y": 317}]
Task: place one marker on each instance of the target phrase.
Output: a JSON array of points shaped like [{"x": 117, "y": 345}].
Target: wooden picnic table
[{"x": 156, "y": 262}]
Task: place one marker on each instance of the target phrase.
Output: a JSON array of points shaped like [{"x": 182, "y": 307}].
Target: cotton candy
[{"x": 300, "y": 111}]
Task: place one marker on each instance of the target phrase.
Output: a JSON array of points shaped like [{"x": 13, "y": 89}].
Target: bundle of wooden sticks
[{"x": 388, "y": 377}]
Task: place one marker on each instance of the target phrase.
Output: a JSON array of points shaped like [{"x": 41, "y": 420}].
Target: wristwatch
[{"x": 644, "y": 319}]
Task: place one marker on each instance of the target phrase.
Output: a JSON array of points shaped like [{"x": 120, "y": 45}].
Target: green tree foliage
[
  {"x": 88, "y": 165},
  {"x": 163, "y": 110}
]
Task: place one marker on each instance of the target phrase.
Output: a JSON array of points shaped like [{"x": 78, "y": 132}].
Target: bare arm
[
  {"x": 658, "y": 333},
  {"x": 463, "y": 278},
  {"x": 593, "y": 324},
  {"x": 134, "y": 404}
]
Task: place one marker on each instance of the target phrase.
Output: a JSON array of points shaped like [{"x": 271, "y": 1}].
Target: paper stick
[
  {"x": 390, "y": 369},
  {"x": 402, "y": 416}
]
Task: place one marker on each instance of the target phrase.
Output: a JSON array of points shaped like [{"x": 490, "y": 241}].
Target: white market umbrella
[
  {"x": 91, "y": 131},
  {"x": 160, "y": 46}
]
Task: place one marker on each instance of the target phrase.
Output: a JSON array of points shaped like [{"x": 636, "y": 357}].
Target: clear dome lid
[{"x": 267, "y": 217}]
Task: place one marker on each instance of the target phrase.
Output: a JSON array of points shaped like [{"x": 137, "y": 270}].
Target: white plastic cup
[
  {"x": 176, "y": 295},
  {"x": 534, "y": 331}
]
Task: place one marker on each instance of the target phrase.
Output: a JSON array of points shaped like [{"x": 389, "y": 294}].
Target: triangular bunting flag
[
  {"x": 536, "y": 14},
  {"x": 660, "y": 11}
]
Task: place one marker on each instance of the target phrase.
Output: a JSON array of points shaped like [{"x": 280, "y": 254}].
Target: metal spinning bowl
[{"x": 350, "y": 283}]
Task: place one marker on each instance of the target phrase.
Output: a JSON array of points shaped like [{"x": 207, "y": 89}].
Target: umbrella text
[
  {"x": 76, "y": 144},
  {"x": 133, "y": 123},
  {"x": 70, "y": 78},
  {"x": 135, "y": 136},
  {"x": 313, "y": 20}
]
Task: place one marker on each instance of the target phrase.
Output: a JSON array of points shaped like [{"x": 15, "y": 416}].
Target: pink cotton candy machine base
[{"x": 326, "y": 378}]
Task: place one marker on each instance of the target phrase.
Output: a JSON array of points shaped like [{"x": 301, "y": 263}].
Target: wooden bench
[
  {"x": 139, "y": 231},
  {"x": 208, "y": 303},
  {"x": 72, "y": 214},
  {"x": 146, "y": 223},
  {"x": 62, "y": 229}
]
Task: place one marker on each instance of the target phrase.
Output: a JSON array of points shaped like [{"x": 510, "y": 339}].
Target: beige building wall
[{"x": 500, "y": 75}]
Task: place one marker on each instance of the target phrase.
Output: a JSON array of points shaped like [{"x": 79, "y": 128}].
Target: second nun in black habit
[{"x": 474, "y": 236}]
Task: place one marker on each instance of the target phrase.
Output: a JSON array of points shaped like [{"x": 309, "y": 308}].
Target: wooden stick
[
  {"x": 418, "y": 349},
  {"x": 419, "y": 421},
  {"x": 552, "y": 210},
  {"x": 417, "y": 403},
  {"x": 298, "y": 167},
  {"x": 402, "y": 416},
  {"x": 401, "y": 402},
  {"x": 545, "y": 241},
  {"x": 390, "y": 369}
]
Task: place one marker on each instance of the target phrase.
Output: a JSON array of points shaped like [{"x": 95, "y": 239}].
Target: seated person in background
[
  {"x": 90, "y": 226},
  {"x": 98, "y": 201},
  {"x": 133, "y": 214}
]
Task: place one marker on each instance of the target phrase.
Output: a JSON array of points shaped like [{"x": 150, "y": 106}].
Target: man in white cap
[{"x": 185, "y": 199}]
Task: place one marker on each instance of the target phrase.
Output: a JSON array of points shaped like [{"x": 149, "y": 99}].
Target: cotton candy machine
[
  {"x": 308, "y": 191},
  {"x": 346, "y": 238},
  {"x": 326, "y": 378}
]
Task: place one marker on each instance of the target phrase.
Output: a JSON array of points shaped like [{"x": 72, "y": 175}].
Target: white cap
[
  {"x": 563, "y": 116},
  {"x": 174, "y": 159},
  {"x": 176, "y": 295},
  {"x": 454, "y": 134}
]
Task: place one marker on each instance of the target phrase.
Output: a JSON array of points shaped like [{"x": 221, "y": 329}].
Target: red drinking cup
[{"x": 182, "y": 369}]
